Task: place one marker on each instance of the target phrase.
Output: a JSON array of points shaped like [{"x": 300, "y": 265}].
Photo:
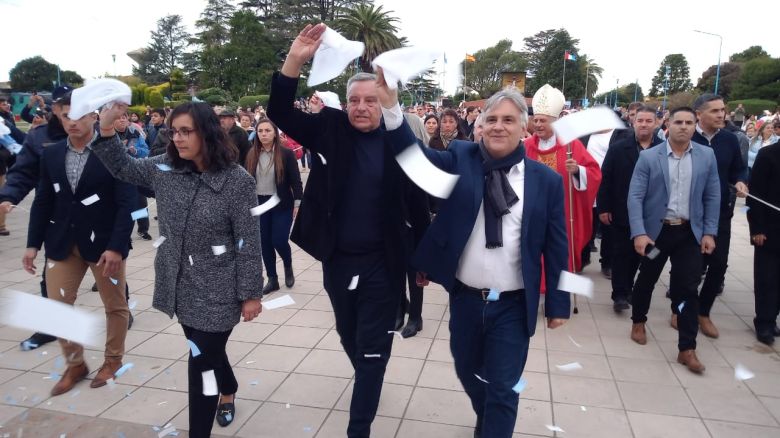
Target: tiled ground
[{"x": 296, "y": 382}]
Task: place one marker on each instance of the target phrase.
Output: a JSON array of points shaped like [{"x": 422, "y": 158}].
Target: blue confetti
[
  {"x": 680, "y": 307},
  {"x": 120, "y": 435},
  {"x": 744, "y": 209},
  {"x": 193, "y": 348},
  {"x": 307, "y": 429},
  {"x": 140, "y": 214},
  {"x": 254, "y": 382},
  {"x": 164, "y": 167},
  {"x": 131, "y": 305},
  {"x": 240, "y": 244},
  {"x": 114, "y": 280},
  {"x": 71, "y": 408},
  {"x": 123, "y": 369},
  {"x": 10, "y": 400},
  {"x": 520, "y": 386},
  {"x": 59, "y": 362},
  {"x": 229, "y": 417},
  {"x": 493, "y": 295}
]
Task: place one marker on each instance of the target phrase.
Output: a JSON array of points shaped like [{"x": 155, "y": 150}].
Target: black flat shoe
[
  {"x": 620, "y": 305},
  {"x": 765, "y": 337},
  {"x": 411, "y": 328},
  {"x": 226, "y": 413},
  {"x": 271, "y": 286},
  {"x": 36, "y": 340}
]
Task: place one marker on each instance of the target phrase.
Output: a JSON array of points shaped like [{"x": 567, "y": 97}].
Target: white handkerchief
[
  {"x": 56, "y": 187},
  {"x": 401, "y": 65},
  {"x": 427, "y": 176},
  {"x": 586, "y": 122},
  {"x": 332, "y": 57},
  {"x": 576, "y": 284},
  {"x": 35, "y": 313},
  {"x": 218, "y": 250},
  {"x": 95, "y": 94},
  {"x": 265, "y": 206},
  {"x": 91, "y": 200},
  {"x": 276, "y": 303},
  {"x": 353, "y": 283},
  {"x": 330, "y": 99},
  {"x": 742, "y": 373},
  {"x": 209, "y": 383},
  {"x": 159, "y": 241},
  {"x": 574, "y": 366}
]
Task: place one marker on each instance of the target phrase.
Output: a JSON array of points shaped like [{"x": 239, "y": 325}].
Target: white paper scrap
[
  {"x": 62, "y": 292},
  {"x": 369, "y": 356},
  {"x": 285, "y": 300},
  {"x": 391, "y": 332},
  {"x": 158, "y": 242},
  {"x": 114, "y": 281},
  {"x": 218, "y": 250},
  {"x": 553, "y": 428},
  {"x": 92, "y": 236},
  {"x": 427, "y": 176},
  {"x": 583, "y": 409},
  {"x": 51, "y": 265},
  {"x": 91, "y": 200},
  {"x": 209, "y": 383},
  {"x": 332, "y": 56},
  {"x": 520, "y": 386},
  {"x": 576, "y": 284},
  {"x": 322, "y": 158},
  {"x": 267, "y": 205},
  {"x": 480, "y": 378},
  {"x": 164, "y": 167},
  {"x": 574, "y": 366},
  {"x": 401, "y": 65},
  {"x": 742, "y": 373},
  {"x": 240, "y": 244},
  {"x": 191, "y": 262},
  {"x": 574, "y": 342},
  {"x": 140, "y": 214},
  {"x": 586, "y": 122},
  {"x": 353, "y": 283},
  {"x": 167, "y": 431},
  {"x": 38, "y": 314},
  {"x": 56, "y": 187}
]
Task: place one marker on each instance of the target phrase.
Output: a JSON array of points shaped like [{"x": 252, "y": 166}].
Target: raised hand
[
  {"x": 302, "y": 49},
  {"x": 387, "y": 96}
]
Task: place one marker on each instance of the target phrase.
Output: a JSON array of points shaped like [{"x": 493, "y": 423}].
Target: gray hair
[
  {"x": 704, "y": 99},
  {"x": 514, "y": 96},
  {"x": 360, "y": 77}
]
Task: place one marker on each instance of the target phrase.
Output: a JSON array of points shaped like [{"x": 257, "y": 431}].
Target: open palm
[{"x": 307, "y": 42}]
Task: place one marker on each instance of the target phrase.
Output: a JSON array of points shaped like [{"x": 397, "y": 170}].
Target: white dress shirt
[
  {"x": 496, "y": 268},
  {"x": 580, "y": 184}
]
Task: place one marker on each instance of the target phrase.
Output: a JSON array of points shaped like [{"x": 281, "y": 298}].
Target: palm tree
[
  {"x": 593, "y": 70},
  {"x": 374, "y": 27}
]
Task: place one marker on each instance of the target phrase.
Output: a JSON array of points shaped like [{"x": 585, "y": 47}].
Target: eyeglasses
[{"x": 183, "y": 132}]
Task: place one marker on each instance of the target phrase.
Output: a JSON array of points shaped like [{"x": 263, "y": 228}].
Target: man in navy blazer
[
  {"x": 673, "y": 205},
  {"x": 486, "y": 247},
  {"x": 82, "y": 215}
]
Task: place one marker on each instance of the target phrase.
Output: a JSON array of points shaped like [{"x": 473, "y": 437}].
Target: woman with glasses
[
  {"x": 276, "y": 173},
  {"x": 207, "y": 268}
]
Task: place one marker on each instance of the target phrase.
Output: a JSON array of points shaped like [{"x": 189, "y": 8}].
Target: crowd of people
[{"x": 527, "y": 207}]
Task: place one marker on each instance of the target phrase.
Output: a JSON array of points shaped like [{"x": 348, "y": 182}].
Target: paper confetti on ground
[
  {"x": 35, "y": 313},
  {"x": 240, "y": 244},
  {"x": 158, "y": 242},
  {"x": 574, "y": 366},
  {"x": 91, "y": 200},
  {"x": 191, "y": 262},
  {"x": 555, "y": 428},
  {"x": 576, "y": 284},
  {"x": 167, "y": 431},
  {"x": 353, "y": 283},
  {"x": 132, "y": 304},
  {"x": 574, "y": 342},
  {"x": 285, "y": 300},
  {"x": 742, "y": 373}
]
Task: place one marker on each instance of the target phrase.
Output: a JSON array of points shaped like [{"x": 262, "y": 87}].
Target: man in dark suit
[
  {"x": 673, "y": 204},
  {"x": 356, "y": 216},
  {"x": 486, "y": 246},
  {"x": 616, "y": 171},
  {"x": 764, "y": 224},
  {"x": 82, "y": 215}
]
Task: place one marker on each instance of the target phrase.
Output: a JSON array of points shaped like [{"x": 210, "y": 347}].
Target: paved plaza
[{"x": 294, "y": 380}]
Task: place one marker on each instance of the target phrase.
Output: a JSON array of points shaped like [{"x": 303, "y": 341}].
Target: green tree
[
  {"x": 729, "y": 73},
  {"x": 373, "y": 26},
  {"x": 593, "y": 71},
  {"x": 178, "y": 85},
  {"x": 424, "y": 87},
  {"x": 749, "y": 54},
  {"x": 165, "y": 51},
  {"x": 760, "y": 79},
  {"x": 213, "y": 25},
  {"x": 545, "y": 52},
  {"x": 679, "y": 76},
  {"x": 248, "y": 60},
  {"x": 484, "y": 74},
  {"x": 33, "y": 74}
]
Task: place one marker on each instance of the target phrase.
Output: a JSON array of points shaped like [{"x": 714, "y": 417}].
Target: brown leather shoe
[
  {"x": 72, "y": 375},
  {"x": 707, "y": 327},
  {"x": 689, "y": 359},
  {"x": 638, "y": 334},
  {"x": 673, "y": 322},
  {"x": 105, "y": 372}
]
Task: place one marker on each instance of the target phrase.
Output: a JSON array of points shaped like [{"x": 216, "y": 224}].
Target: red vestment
[{"x": 555, "y": 158}]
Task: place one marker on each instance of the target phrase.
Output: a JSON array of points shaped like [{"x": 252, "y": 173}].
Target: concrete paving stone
[
  {"x": 722, "y": 429},
  {"x": 151, "y": 406},
  {"x": 326, "y": 363},
  {"x": 593, "y": 365},
  {"x": 313, "y": 318},
  {"x": 291, "y": 336},
  {"x": 591, "y": 421},
  {"x": 660, "y": 426},
  {"x": 308, "y": 390},
  {"x": 727, "y": 404},
  {"x": 274, "y": 357},
  {"x": 585, "y": 391},
  {"x": 335, "y": 426},
  {"x": 394, "y": 401},
  {"x": 656, "y": 398},
  {"x": 274, "y": 420}
]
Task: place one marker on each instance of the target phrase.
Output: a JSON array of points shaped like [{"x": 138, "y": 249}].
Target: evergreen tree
[{"x": 679, "y": 76}]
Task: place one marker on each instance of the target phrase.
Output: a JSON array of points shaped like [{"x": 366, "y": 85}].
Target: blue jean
[
  {"x": 489, "y": 339},
  {"x": 275, "y": 236}
]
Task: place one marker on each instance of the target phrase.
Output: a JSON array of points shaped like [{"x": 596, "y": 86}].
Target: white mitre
[{"x": 548, "y": 101}]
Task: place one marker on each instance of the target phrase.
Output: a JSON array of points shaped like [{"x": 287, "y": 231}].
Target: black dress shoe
[
  {"x": 620, "y": 304},
  {"x": 606, "y": 271},
  {"x": 144, "y": 235},
  {"x": 94, "y": 287},
  {"x": 478, "y": 428},
  {"x": 766, "y": 336},
  {"x": 130, "y": 321},
  {"x": 271, "y": 286},
  {"x": 36, "y": 340},
  {"x": 289, "y": 277},
  {"x": 411, "y": 328},
  {"x": 226, "y": 412}
]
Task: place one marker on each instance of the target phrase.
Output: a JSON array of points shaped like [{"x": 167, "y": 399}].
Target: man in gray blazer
[{"x": 673, "y": 209}]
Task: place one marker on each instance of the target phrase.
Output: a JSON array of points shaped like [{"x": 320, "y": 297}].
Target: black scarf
[{"x": 498, "y": 194}]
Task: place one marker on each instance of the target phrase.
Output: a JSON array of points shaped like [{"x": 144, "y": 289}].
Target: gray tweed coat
[{"x": 199, "y": 215}]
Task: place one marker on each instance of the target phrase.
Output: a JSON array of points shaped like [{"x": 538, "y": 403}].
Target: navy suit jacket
[
  {"x": 59, "y": 219},
  {"x": 543, "y": 230},
  {"x": 648, "y": 195}
]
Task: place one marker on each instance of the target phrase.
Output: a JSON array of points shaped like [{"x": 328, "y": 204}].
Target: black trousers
[
  {"x": 716, "y": 265},
  {"x": 625, "y": 261},
  {"x": 676, "y": 242},
  {"x": 364, "y": 316},
  {"x": 415, "y": 296},
  {"x": 203, "y": 408},
  {"x": 766, "y": 281},
  {"x": 143, "y": 223}
]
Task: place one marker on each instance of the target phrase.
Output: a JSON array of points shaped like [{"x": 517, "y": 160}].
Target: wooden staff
[{"x": 569, "y": 155}]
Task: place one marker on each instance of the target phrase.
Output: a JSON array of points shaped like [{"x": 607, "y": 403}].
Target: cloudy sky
[{"x": 628, "y": 39}]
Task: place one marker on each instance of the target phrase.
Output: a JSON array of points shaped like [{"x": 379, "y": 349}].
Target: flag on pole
[
  {"x": 470, "y": 58},
  {"x": 445, "y": 57},
  {"x": 567, "y": 55}
]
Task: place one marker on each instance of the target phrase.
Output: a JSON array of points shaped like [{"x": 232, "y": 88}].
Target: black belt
[{"x": 483, "y": 293}]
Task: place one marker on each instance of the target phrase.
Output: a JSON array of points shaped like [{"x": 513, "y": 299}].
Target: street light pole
[{"x": 720, "y": 49}]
